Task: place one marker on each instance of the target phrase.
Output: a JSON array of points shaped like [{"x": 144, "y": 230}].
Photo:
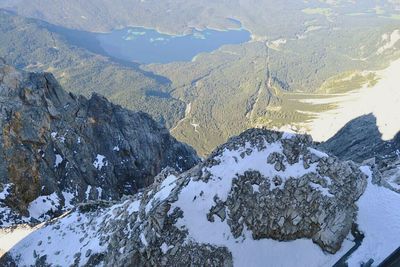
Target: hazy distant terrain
[
  {"x": 37, "y": 46},
  {"x": 178, "y": 16},
  {"x": 299, "y": 50}
]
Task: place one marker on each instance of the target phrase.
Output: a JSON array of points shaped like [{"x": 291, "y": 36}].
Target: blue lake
[{"x": 146, "y": 46}]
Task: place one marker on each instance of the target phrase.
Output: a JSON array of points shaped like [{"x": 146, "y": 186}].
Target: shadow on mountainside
[{"x": 360, "y": 140}]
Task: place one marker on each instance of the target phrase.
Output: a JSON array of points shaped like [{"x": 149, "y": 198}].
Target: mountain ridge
[{"x": 60, "y": 149}]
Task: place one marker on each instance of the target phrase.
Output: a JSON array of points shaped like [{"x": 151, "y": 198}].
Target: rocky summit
[
  {"x": 58, "y": 149},
  {"x": 263, "y": 198}
]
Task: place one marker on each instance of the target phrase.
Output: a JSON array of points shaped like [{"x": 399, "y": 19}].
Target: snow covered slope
[
  {"x": 264, "y": 198},
  {"x": 378, "y": 218}
]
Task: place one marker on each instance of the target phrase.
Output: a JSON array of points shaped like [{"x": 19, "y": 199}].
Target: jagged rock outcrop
[
  {"x": 232, "y": 209},
  {"x": 58, "y": 149}
]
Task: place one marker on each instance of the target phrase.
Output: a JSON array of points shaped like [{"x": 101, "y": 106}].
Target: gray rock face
[
  {"x": 80, "y": 149},
  {"x": 212, "y": 214}
]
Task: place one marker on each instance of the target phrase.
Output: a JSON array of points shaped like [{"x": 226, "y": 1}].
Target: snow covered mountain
[{"x": 263, "y": 199}]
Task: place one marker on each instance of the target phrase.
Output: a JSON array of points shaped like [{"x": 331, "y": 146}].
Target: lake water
[{"x": 146, "y": 46}]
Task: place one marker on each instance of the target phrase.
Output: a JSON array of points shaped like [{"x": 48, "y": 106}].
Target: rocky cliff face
[
  {"x": 260, "y": 193},
  {"x": 58, "y": 149}
]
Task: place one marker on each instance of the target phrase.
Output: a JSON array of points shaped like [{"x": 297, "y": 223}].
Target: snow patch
[
  {"x": 100, "y": 162},
  {"x": 133, "y": 207},
  {"x": 324, "y": 191},
  {"x": 58, "y": 160},
  {"x": 5, "y": 193},
  {"x": 318, "y": 153},
  {"x": 165, "y": 190},
  {"x": 143, "y": 239},
  {"x": 88, "y": 190},
  {"x": 287, "y": 135},
  {"x": 256, "y": 188},
  {"x": 68, "y": 197},
  {"x": 43, "y": 204},
  {"x": 164, "y": 248},
  {"x": 99, "y": 192}
]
